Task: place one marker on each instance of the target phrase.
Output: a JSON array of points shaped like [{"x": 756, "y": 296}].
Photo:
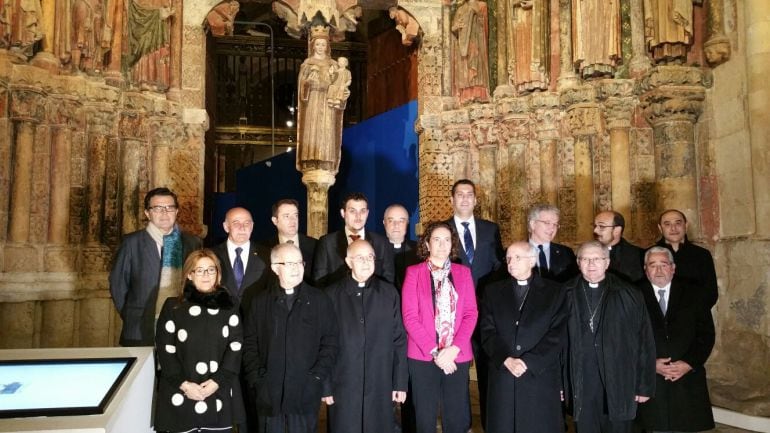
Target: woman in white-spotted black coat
[{"x": 198, "y": 343}]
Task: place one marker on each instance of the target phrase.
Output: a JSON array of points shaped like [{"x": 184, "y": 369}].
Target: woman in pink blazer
[{"x": 438, "y": 302}]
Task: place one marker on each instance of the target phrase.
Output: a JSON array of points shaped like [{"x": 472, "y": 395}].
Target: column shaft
[
  {"x": 61, "y": 143},
  {"x": 21, "y": 189}
]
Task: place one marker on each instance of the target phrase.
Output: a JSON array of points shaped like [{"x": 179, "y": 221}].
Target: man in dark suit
[
  {"x": 481, "y": 250},
  {"x": 625, "y": 258},
  {"x": 556, "y": 262},
  {"x": 243, "y": 261},
  {"x": 523, "y": 326},
  {"x": 286, "y": 220},
  {"x": 147, "y": 268},
  {"x": 331, "y": 250},
  {"x": 684, "y": 336},
  {"x": 694, "y": 264},
  {"x": 396, "y": 223}
]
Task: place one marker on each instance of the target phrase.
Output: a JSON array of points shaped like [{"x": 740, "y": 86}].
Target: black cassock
[
  {"x": 371, "y": 363},
  {"x": 536, "y": 332}
]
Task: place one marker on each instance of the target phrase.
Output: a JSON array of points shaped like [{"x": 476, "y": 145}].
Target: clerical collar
[
  {"x": 397, "y": 246},
  {"x": 522, "y": 282},
  {"x": 289, "y": 291},
  {"x": 362, "y": 284},
  {"x": 593, "y": 285}
]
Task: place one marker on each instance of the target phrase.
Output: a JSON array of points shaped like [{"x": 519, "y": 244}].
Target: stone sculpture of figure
[
  {"x": 339, "y": 91},
  {"x": 469, "y": 46},
  {"x": 530, "y": 58},
  {"x": 668, "y": 29},
  {"x": 220, "y": 18},
  {"x": 319, "y": 123},
  {"x": 6, "y": 16},
  {"x": 149, "y": 53},
  {"x": 405, "y": 24},
  {"x": 24, "y": 17},
  {"x": 87, "y": 33},
  {"x": 596, "y": 37}
]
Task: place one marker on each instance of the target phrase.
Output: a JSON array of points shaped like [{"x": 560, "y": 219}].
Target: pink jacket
[{"x": 417, "y": 310}]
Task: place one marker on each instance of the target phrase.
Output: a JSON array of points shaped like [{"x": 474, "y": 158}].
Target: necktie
[
  {"x": 354, "y": 238},
  {"x": 543, "y": 263},
  {"x": 468, "y": 242},
  {"x": 662, "y": 300},
  {"x": 238, "y": 267}
]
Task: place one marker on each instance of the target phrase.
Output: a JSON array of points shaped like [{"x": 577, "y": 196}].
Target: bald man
[
  {"x": 371, "y": 371},
  {"x": 243, "y": 261},
  {"x": 625, "y": 258},
  {"x": 523, "y": 326}
]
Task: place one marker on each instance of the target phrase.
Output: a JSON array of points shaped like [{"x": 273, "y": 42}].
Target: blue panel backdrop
[{"x": 379, "y": 158}]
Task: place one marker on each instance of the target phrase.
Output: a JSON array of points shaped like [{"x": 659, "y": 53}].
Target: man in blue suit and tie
[
  {"x": 555, "y": 262},
  {"x": 482, "y": 251}
]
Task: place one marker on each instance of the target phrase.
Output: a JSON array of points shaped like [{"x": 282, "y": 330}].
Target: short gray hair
[
  {"x": 658, "y": 250},
  {"x": 280, "y": 248},
  {"x": 593, "y": 244},
  {"x": 534, "y": 212}
]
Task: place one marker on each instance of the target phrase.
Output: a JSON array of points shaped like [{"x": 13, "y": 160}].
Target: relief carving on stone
[
  {"x": 668, "y": 29},
  {"x": 220, "y": 19},
  {"x": 470, "y": 61},
  {"x": 405, "y": 24},
  {"x": 529, "y": 42},
  {"x": 596, "y": 56}
]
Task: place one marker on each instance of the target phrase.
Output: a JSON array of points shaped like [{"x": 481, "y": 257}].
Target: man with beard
[
  {"x": 625, "y": 258},
  {"x": 371, "y": 371}
]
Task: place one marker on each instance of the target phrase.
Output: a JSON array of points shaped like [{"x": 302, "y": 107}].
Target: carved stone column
[
  {"x": 174, "y": 92},
  {"x": 672, "y": 100},
  {"x": 618, "y": 99},
  {"x": 317, "y": 183},
  {"x": 436, "y": 170},
  {"x": 484, "y": 138},
  {"x": 717, "y": 46},
  {"x": 6, "y": 150},
  {"x": 515, "y": 118},
  {"x": 583, "y": 119},
  {"x": 640, "y": 62},
  {"x": 757, "y": 13},
  {"x": 132, "y": 132},
  {"x": 456, "y": 136},
  {"x": 546, "y": 111},
  {"x": 567, "y": 76}
]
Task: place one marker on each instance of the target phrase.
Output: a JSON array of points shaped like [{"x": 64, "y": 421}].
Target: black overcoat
[
  {"x": 371, "y": 363},
  {"x": 686, "y": 333},
  {"x": 330, "y": 252},
  {"x": 537, "y": 335},
  {"x": 623, "y": 343},
  {"x": 627, "y": 261},
  {"x": 695, "y": 267},
  {"x": 289, "y": 354}
]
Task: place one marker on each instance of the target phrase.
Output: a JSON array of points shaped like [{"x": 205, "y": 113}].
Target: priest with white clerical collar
[
  {"x": 523, "y": 327},
  {"x": 371, "y": 371}
]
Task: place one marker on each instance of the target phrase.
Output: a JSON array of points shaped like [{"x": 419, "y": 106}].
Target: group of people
[{"x": 257, "y": 336}]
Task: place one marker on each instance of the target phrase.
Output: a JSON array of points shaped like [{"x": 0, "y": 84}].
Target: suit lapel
[
  {"x": 342, "y": 244},
  {"x": 150, "y": 249},
  {"x": 254, "y": 267}
]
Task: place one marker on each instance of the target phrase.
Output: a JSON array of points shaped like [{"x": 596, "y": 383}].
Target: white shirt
[
  {"x": 546, "y": 250},
  {"x": 348, "y": 233},
  {"x": 667, "y": 288},
  {"x": 461, "y": 230},
  {"x": 244, "y": 254}
]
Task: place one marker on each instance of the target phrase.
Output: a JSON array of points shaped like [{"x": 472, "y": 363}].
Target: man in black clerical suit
[
  {"x": 684, "y": 336},
  {"x": 396, "y": 223},
  {"x": 523, "y": 326},
  {"x": 329, "y": 261},
  {"x": 242, "y": 261},
  {"x": 694, "y": 264},
  {"x": 286, "y": 220},
  {"x": 555, "y": 261},
  {"x": 625, "y": 258},
  {"x": 481, "y": 250},
  {"x": 611, "y": 347}
]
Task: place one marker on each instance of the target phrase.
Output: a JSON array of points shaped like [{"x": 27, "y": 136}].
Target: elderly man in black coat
[
  {"x": 523, "y": 326},
  {"x": 371, "y": 371},
  {"x": 684, "y": 337},
  {"x": 611, "y": 348},
  {"x": 290, "y": 347}
]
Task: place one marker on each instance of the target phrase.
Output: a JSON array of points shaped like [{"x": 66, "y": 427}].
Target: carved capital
[
  {"x": 131, "y": 125},
  {"x": 101, "y": 118},
  {"x": 27, "y": 104},
  {"x": 515, "y": 129},
  {"x": 615, "y": 88},
  {"x": 618, "y": 111},
  {"x": 513, "y": 107},
  {"x": 673, "y": 76},
  {"x": 583, "y": 119},
  {"x": 64, "y": 111},
  {"x": 577, "y": 95},
  {"x": 673, "y": 93}
]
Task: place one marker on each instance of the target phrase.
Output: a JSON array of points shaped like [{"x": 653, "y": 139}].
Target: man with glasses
[
  {"x": 625, "y": 258},
  {"x": 243, "y": 261},
  {"x": 286, "y": 221},
  {"x": 523, "y": 326},
  {"x": 554, "y": 261},
  {"x": 611, "y": 347},
  {"x": 329, "y": 262},
  {"x": 147, "y": 268},
  {"x": 371, "y": 371},
  {"x": 290, "y": 347}
]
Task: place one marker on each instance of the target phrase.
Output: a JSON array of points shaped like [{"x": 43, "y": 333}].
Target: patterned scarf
[
  {"x": 445, "y": 303},
  {"x": 171, "y": 262}
]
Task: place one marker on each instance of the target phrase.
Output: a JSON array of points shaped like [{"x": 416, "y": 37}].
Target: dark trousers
[
  {"x": 431, "y": 389},
  {"x": 288, "y": 423},
  {"x": 593, "y": 412},
  {"x": 481, "y": 361}
]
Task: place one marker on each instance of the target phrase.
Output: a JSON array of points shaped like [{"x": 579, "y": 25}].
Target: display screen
[{"x": 60, "y": 387}]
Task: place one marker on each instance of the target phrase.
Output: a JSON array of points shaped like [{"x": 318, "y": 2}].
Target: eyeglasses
[
  {"x": 208, "y": 271},
  {"x": 549, "y": 224},
  {"x": 518, "y": 258},
  {"x": 163, "y": 209},
  {"x": 240, "y": 225},
  {"x": 602, "y": 226},
  {"x": 591, "y": 260},
  {"x": 290, "y": 264},
  {"x": 364, "y": 259}
]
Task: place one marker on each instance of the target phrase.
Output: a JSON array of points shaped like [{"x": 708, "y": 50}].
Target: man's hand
[
  {"x": 661, "y": 366},
  {"x": 641, "y": 398},
  {"x": 675, "y": 370},
  {"x": 329, "y": 400},
  {"x": 516, "y": 366},
  {"x": 399, "y": 396}
]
